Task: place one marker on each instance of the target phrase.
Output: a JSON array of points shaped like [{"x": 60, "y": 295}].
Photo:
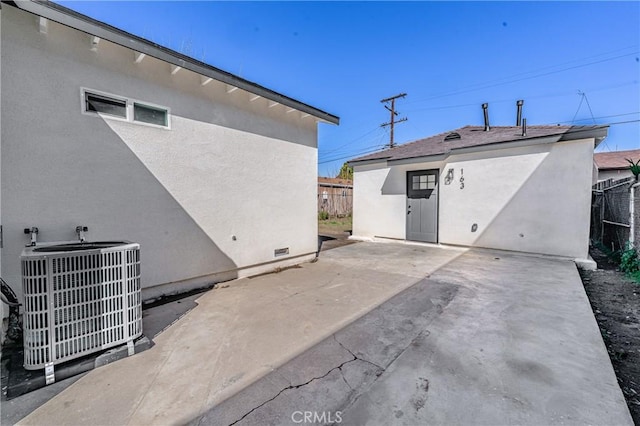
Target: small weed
[
  {"x": 323, "y": 215},
  {"x": 612, "y": 255},
  {"x": 634, "y": 276},
  {"x": 629, "y": 260}
]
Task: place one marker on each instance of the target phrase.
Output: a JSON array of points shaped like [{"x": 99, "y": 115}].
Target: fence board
[
  {"x": 610, "y": 216},
  {"x": 335, "y": 201}
]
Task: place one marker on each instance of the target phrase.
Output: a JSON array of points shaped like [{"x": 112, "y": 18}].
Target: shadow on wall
[
  {"x": 213, "y": 104},
  {"x": 504, "y": 213},
  {"x": 99, "y": 182},
  {"x": 509, "y": 215},
  {"x": 396, "y": 182},
  {"x": 554, "y": 226}
]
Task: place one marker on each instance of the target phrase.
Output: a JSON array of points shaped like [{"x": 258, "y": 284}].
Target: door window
[{"x": 421, "y": 184}]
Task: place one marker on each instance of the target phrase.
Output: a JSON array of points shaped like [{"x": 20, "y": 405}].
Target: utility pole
[{"x": 393, "y": 115}]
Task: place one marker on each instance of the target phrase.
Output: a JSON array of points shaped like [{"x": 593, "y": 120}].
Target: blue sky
[{"x": 569, "y": 61}]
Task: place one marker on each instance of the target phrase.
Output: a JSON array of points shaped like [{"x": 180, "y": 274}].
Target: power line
[
  {"x": 351, "y": 141},
  {"x": 549, "y": 67},
  {"x": 606, "y": 124},
  {"x": 623, "y": 122},
  {"x": 487, "y": 86},
  {"x": 359, "y": 153},
  {"x": 474, "y": 86},
  {"x": 599, "y": 118},
  {"x": 376, "y": 145},
  {"x": 551, "y": 95}
]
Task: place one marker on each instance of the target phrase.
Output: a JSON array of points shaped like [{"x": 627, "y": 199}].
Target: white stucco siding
[
  {"x": 530, "y": 199},
  {"x": 380, "y": 199},
  {"x": 490, "y": 182},
  {"x": 375, "y": 214},
  {"x": 613, "y": 174},
  {"x": 228, "y": 166},
  {"x": 533, "y": 199},
  {"x": 234, "y": 183}
]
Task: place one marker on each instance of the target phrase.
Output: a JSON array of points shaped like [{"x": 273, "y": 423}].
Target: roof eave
[
  {"x": 335, "y": 185},
  {"x": 80, "y": 22},
  {"x": 363, "y": 162},
  {"x": 598, "y": 133},
  {"x": 479, "y": 148},
  {"x": 618, "y": 168}
]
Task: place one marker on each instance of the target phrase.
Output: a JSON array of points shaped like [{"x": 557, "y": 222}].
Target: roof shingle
[
  {"x": 333, "y": 181},
  {"x": 615, "y": 160},
  {"x": 471, "y": 136}
]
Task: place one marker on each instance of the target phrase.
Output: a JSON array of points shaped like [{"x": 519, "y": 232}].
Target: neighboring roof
[
  {"x": 329, "y": 181},
  {"x": 80, "y": 22},
  {"x": 471, "y": 137},
  {"x": 615, "y": 160}
]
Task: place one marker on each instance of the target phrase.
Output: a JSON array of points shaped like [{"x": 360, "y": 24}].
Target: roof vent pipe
[
  {"x": 524, "y": 127},
  {"x": 519, "y": 115},
  {"x": 485, "y": 107}
]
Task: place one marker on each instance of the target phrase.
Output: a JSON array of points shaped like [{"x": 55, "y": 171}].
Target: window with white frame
[{"x": 114, "y": 106}]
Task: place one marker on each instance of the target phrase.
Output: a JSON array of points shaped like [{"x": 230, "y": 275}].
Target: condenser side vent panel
[{"x": 80, "y": 302}]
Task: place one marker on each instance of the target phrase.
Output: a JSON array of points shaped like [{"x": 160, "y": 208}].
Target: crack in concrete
[
  {"x": 421, "y": 334},
  {"x": 356, "y": 356},
  {"x": 297, "y": 387},
  {"x": 344, "y": 379},
  {"x": 339, "y": 367},
  {"x": 381, "y": 370}
]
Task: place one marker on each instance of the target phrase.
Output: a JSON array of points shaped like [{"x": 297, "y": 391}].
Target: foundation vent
[{"x": 281, "y": 252}]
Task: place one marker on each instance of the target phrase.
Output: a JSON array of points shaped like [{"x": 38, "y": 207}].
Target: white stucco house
[
  {"x": 490, "y": 187},
  {"x": 614, "y": 165},
  {"x": 104, "y": 129}
]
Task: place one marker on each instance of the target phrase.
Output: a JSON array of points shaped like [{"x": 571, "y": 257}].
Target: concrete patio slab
[
  {"x": 492, "y": 338},
  {"x": 327, "y": 376},
  {"x": 518, "y": 345},
  {"x": 238, "y": 334}
]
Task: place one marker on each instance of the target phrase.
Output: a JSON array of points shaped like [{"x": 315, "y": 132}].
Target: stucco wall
[
  {"x": 531, "y": 199},
  {"x": 613, "y": 174},
  {"x": 380, "y": 199},
  {"x": 228, "y": 166}
]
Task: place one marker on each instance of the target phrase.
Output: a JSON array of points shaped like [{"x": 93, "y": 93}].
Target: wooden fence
[
  {"x": 335, "y": 199},
  {"x": 610, "y": 216}
]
